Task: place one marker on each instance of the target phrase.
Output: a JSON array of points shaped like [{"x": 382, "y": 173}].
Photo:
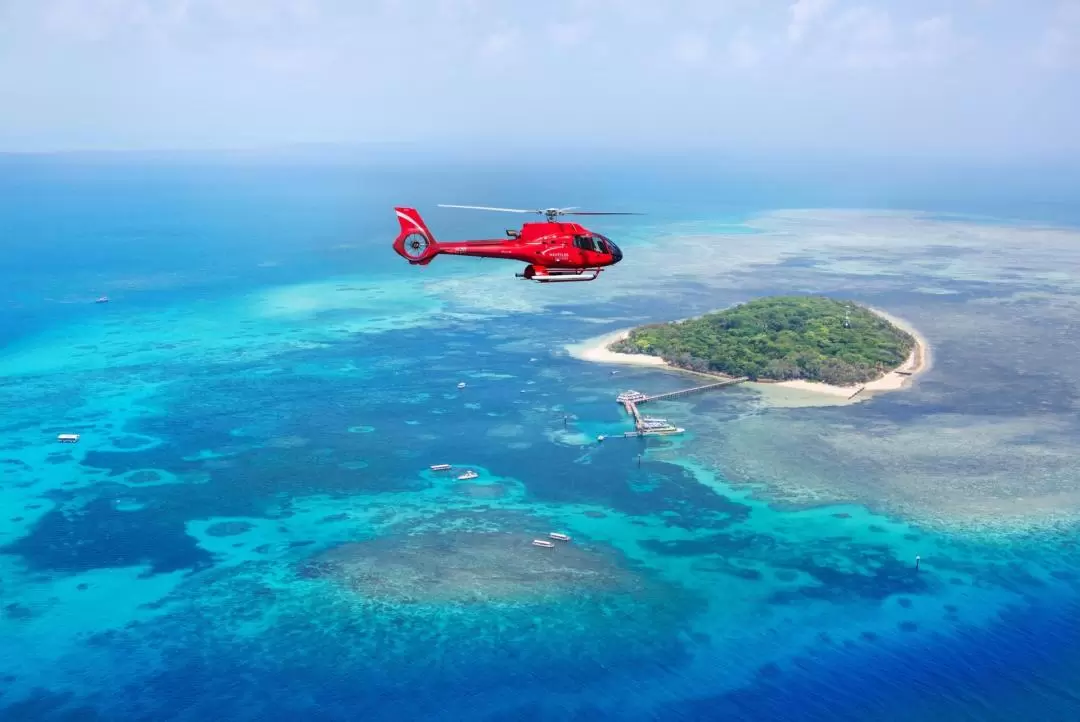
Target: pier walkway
[
  {"x": 693, "y": 390},
  {"x": 632, "y": 399}
]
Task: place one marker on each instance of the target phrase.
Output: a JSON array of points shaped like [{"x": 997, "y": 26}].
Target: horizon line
[{"x": 455, "y": 146}]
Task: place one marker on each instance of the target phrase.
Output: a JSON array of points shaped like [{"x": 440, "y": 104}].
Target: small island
[
  {"x": 811, "y": 343},
  {"x": 780, "y": 338}
]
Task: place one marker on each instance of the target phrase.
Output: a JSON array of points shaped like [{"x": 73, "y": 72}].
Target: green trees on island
[{"x": 779, "y": 338}]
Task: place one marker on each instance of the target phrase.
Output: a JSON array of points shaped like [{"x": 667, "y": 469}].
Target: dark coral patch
[
  {"x": 229, "y": 528},
  {"x": 99, "y": 536}
]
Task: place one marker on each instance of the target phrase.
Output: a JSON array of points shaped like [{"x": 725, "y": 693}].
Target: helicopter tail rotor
[{"x": 414, "y": 243}]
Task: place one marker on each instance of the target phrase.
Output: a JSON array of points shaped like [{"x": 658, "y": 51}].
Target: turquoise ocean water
[{"x": 249, "y": 530}]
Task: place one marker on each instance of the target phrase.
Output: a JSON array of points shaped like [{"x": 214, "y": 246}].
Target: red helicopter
[{"x": 555, "y": 251}]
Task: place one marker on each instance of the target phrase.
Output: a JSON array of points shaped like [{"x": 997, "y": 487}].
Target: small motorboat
[
  {"x": 470, "y": 474},
  {"x": 440, "y": 467},
  {"x": 461, "y": 385},
  {"x": 560, "y": 537},
  {"x": 542, "y": 543},
  {"x": 68, "y": 438},
  {"x": 103, "y": 299}
]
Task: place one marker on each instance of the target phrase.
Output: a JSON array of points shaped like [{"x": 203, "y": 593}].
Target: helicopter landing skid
[{"x": 559, "y": 275}]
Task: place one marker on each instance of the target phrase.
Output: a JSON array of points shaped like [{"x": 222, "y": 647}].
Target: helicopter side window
[{"x": 585, "y": 243}]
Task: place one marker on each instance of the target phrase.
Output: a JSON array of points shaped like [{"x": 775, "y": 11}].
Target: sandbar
[{"x": 597, "y": 350}]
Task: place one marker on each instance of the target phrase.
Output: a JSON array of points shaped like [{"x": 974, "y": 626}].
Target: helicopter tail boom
[{"x": 414, "y": 243}]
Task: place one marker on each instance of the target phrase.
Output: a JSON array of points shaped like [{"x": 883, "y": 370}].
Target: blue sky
[{"x": 980, "y": 78}]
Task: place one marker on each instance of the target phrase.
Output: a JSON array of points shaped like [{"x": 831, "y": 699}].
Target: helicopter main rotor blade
[
  {"x": 550, "y": 212},
  {"x": 489, "y": 208}
]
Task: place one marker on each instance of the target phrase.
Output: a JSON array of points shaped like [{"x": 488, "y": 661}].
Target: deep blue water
[{"x": 248, "y": 528}]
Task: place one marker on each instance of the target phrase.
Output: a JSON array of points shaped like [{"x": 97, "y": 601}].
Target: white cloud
[
  {"x": 869, "y": 38},
  {"x": 1059, "y": 47},
  {"x": 803, "y": 15},
  {"x": 205, "y": 67},
  {"x": 569, "y": 34},
  {"x": 742, "y": 51},
  {"x": 92, "y": 20},
  {"x": 499, "y": 43},
  {"x": 691, "y": 49},
  {"x": 935, "y": 41},
  {"x": 288, "y": 60}
]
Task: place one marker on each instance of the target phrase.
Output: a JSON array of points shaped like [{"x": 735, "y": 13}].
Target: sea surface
[{"x": 249, "y": 529}]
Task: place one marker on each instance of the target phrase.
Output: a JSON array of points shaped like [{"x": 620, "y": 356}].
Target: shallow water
[{"x": 249, "y": 529}]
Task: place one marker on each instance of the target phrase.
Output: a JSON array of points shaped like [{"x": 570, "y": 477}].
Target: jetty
[
  {"x": 693, "y": 390},
  {"x": 646, "y": 426}
]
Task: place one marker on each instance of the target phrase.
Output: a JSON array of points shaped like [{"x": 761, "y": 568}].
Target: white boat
[
  {"x": 560, "y": 537},
  {"x": 461, "y": 385},
  {"x": 664, "y": 431},
  {"x": 651, "y": 426},
  {"x": 470, "y": 474},
  {"x": 542, "y": 543},
  {"x": 68, "y": 438},
  {"x": 440, "y": 467}
]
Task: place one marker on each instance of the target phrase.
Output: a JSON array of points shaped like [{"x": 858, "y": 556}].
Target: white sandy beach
[
  {"x": 596, "y": 350},
  {"x": 780, "y": 393}
]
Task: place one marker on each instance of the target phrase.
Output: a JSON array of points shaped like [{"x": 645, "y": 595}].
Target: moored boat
[
  {"x": 440, "y": 467},
  {"x": 631, "y": 396},
  {"x": 559, "y": 536},
  {"x": 665, "y": 431},
  {"x": 542, "y": 543},
  {"x": 470, "y": 474},
  {"x": 652, "y": 426}
]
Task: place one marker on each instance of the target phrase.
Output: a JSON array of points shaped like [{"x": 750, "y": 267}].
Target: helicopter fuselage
[{"x": 550, "y": 245}]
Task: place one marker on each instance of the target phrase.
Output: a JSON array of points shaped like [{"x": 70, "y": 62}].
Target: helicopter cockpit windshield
[
  {"x": 608, "y": 246},
  {"x": 599, "y": 244}
]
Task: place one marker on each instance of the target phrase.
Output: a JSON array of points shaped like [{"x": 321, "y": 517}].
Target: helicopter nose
[{"x": 616, "y": 253}]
